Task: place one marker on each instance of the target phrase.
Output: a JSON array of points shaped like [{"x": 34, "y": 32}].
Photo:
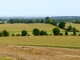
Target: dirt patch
[{"x": 40, "y": 53}]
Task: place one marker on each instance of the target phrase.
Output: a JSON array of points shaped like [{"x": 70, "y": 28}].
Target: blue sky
[{"x": 29, "y": 8}]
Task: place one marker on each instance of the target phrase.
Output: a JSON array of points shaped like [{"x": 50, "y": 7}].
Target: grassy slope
[
  {"x": 77, "y": 26},
  {"x": 58, "y": 41},
  {"x": 28, "y": 27}
]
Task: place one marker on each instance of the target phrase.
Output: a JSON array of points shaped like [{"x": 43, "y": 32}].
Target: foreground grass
[
  {"x": 39, "y": 53},
  {"x": 47, "y": 41},
  {"x": 4, "y": 58}
]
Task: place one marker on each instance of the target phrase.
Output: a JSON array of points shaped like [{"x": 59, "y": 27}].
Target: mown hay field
[{"x": 53, "y": 41}]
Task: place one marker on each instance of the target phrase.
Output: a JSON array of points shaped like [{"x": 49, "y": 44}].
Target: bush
[
  {"x": 28, "y": 34},
  {"x": 74, "y": 33},
  {"x": 43, "y": 33},
  {"x": 5, "y": 33},
  {"x": 62, "y": 24},
  {"x": 36, "y": 32},
  {"x": 61, "y": 34},
  {"x": 18, "y": 35},
  {"x": 56, "y": 31},
  {"x": 1, "y": 34},
  {"x": 66, "y": 33},
  {"x": 12, "y": 34},
  {"x": 24, "y": 33},
  {"x": 70, "y": 28},
  {"x": 50, "y": 34},
  {"x": 78, "y": 34}
]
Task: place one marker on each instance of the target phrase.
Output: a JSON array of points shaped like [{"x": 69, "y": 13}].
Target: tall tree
[
  {"x": 36, "y": 32},
  {"x": 62, "y": 24},
  {"x": 24, "y": 33},
  {"x": 70, "y": 28},
  {"x": 48, "y": 20}
]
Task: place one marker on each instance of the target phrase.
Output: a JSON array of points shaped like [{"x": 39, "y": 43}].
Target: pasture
[
  {"x": 53, "y": 41},
  {"x": 28, "y": 27},
  {"x": 77, "y": 26}
]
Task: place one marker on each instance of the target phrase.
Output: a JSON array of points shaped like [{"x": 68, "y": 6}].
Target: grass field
[
  {"x": 28, "y": 27},
  {"x": 54, "y": 41},
  {"x": 77, "y": 26}
]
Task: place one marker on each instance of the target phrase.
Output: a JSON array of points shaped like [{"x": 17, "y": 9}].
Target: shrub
[
  {"x": 70, "y": 28},
  {"x": 66, "y": 33},
  {"x": 50, "y": 34},
  {"x": 28, "y": 34},
  {"x": 18, "y": 35},
  {"x": 12, "y": 34},
  {"x": 62, "y": 24},
  {"x": 43, "y": 33},
  {"x": 36, "y": 32},
  {"x": 74, "y": 33},
  {"x": 78, "y": 34},
  {"x": 56, "y": 31},
  {"x": 61, "y": 34},
  {"x": 24, "y": 33},
  {"x": 5, "y": 33},
  {"x": 1, "y": 34}
]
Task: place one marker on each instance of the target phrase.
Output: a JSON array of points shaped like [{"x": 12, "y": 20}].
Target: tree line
[{"x": 37, "y": 32}]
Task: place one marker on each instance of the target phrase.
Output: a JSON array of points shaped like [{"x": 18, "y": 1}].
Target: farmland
[
  {"x": 74, "y": 25},
  {"x": 38, "y": 47},
  {"x": 61, "y": 41},
  {"x": 28, "y": 27}
]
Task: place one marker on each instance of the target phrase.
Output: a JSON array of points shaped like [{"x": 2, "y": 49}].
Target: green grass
[
  {"x": 54, "y": 41},
  {"x": 4, "y": 58},
  {"x": 28, "y": 27},
  {"x": 77, "y": 26}
]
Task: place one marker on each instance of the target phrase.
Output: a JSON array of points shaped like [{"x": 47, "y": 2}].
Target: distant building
[{"x": 3, "y": 22}]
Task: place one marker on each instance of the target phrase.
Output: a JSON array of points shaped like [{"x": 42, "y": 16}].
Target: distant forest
[{"x": 69, "y": 19}]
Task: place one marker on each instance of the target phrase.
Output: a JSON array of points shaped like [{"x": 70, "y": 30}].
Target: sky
[{"x": 39, "y": 8}]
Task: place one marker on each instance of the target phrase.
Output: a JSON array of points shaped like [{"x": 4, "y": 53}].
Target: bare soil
[{"x": 39, "y": 53}]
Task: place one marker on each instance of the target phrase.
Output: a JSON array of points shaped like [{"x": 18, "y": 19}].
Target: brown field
[{"x": 39, "y": 53}]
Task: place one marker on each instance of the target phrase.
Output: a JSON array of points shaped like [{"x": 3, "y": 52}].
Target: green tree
[
  {"x": 42, "y": 21},
  {"x": 56, "y": 31},
  {"x": 1, "y": 34},
  {"x": 74, "y": 31},
  {"x": 62, "y": 24},
  {"x": 48, "y": 20},
  {"x": 24, "y": 33},
  {"x": 5, "y": 33},
  {"x": 54, "y": 23},
  {"x": 70, "y": 28},
  {"x": 66, "y": 33},
  {"x": 36, "y": 32},
  {"x": 11, "y": 21},
  {"x": 43, "y": 33}
]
